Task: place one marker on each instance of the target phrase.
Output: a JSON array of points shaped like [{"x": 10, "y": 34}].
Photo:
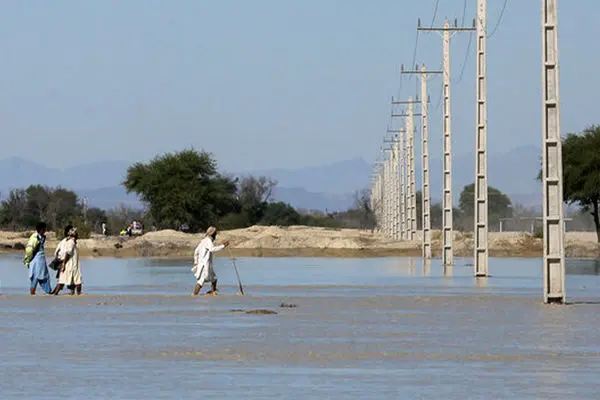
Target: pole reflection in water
[
  {"x": 448, "y": 270},
  {"x": 481, "y": 282},
  {"x": 426, "y": 267},
  {"x": 412, "y": 267}
]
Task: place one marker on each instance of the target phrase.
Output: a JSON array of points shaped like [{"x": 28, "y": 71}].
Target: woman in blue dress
[{"x": 35, "y": 260}]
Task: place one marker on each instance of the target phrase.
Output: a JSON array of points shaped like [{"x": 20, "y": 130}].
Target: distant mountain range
[{"x": 327, "y": 187}]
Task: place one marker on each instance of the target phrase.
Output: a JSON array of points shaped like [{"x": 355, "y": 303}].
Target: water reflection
[
  {"x": 359, "y": 325},
  {"x": 448, "y": 270},
  {"x": 583, "y": 267},
  {"x": 426, "y": 267},
  {"x": 174, "y": 276},
  {"x": 481, "y": 282},
  {"x": 412, "y": 267}
]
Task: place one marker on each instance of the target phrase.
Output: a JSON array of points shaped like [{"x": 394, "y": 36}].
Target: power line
[
  {"x": 439, "y": 100},
  {"x": 435, "y": 10},
  {"x": 414, "y": 59},
  {"x": 499, "y": 19},
  {"x": 464, "y": 13},
  {"x": 464, "y": 65},
  {"x": 400, "y": 86}
]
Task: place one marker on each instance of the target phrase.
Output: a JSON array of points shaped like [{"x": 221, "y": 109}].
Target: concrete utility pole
[
  {"x": 552, "y": 174},
  {"x": 395, "y": 183},
  {"x": 397, "y": 143},
  {"x": 84, "y": 203},
  {"x": 396, "y": 167},
  {"x": 384, "y": 196},
  {"x": 388, "y": 196},
  {"x": 390, "y": 191},
  {"x": 379, "y": 203},
  {"x": 376, "y": 194},
  {"x": 373, "y": 197},
  {"x": 425, "y": 185},
  {"x": 381, "y": 194},
  {"x": 412, "y": 203},
  {"x": 480, "y": 248},
  {"x": 408, "y": 169},
  {"x": 447, "y": 229},
  {"x": 380, "y": 200}
]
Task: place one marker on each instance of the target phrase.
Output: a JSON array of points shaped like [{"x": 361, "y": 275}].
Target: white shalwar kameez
[
  {"x": 72, "y": 273},
  {"x": 203, "y": 261}
]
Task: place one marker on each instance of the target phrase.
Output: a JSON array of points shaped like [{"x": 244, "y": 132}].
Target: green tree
[
  {"x": 41, "y": 203},
  {"x": 437, "y": 215},
  {"x": 62, "y": 206},
  {"x": 12, "y": 210},
  {"x": 362, "y": 208},
  {"x": 282, "y": 214},
  {"x": 499, "y": 205},
  {"x": 419, "y": 208},
  {"x": 254, "y": 194},
  {"x": 38, "y": 198},
  {"x": 95, "y": 217},
  {"x": 119, "y": 217},
  {"x": 581, "y": 171},
  {"x": 183, "y": 188}
]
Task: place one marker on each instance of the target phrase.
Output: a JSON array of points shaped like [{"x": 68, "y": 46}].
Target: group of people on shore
[{"x": 65, "y": 262}]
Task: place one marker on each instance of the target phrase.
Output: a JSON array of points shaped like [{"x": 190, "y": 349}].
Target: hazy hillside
[
  {"x": 323, "y": 187},
  {"x": 339, "y": 177},
  {"x": 18, "y": 172}
]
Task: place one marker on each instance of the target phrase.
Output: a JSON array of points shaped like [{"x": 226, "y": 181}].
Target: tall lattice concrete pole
[
  {"x": 390, "y": 192},
  {"x": 405, "y": 168},
  {"x": 480, "y": 248},
  {"x": 388, "y": 196},
  {"x": 399, "y": 170},
  {"x": 394, "y": 182},
  {"x": 402, "y": 161},
  {"x": 379, "y": 203},
  {"x": 447, "y": 222},
  {"x": 412, "y": 195},
  {"x": 406, "y": 150},
  {"x": 375, "y": 196},
  {"x": 396, "y": 172},
  {"x": 384, "y": 197},
  {"x": 447, "y": 218},
  {"x": 382, "y": 190},
  {"x": 425, "y": 185},
  {"x": 552, "y": 174},
  {"x": 380, "y": 199}
]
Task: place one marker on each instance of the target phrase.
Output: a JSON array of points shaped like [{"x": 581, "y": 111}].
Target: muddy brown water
[{"x": 376, "y": 328}]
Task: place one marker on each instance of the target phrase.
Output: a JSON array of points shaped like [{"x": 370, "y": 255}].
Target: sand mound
[{"x": 303, "y": 240}]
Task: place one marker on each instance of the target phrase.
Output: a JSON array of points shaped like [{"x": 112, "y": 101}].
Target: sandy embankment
[{"x": 260, "y": 241}]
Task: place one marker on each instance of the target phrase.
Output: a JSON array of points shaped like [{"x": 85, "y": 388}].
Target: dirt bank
[{"x": 270, "y": 241}]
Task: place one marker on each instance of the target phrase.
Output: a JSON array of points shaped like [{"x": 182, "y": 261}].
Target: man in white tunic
[
  {"x": 203, "y": 261},
  {"x": 70, "y": 272}
]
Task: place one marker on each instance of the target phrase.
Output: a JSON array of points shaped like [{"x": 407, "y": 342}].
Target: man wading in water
[
  {"x": 203, "y": 261},
  {"x": 70, "y": 270},
  {"x": 35, "y": 260}
]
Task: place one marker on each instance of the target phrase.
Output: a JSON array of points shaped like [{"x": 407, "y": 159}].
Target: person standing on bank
[
  {"x": 203, "y": 261},
  {"x": 35, "y": 260},
  {"x": 70, "y": 271}
]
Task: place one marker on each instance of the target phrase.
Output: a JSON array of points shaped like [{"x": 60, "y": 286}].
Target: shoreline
[
  {"x": 302, "y": 241},
  {"x": 186, "y": 252}
]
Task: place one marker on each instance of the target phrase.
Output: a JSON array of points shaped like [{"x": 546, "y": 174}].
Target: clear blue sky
[{"x": 265, "y": 83}]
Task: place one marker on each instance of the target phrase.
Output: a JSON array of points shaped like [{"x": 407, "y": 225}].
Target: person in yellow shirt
[{"x": 35, "y": 260}]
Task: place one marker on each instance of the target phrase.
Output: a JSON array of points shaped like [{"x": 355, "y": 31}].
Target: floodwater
[{"x": 359, "y": 328}]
